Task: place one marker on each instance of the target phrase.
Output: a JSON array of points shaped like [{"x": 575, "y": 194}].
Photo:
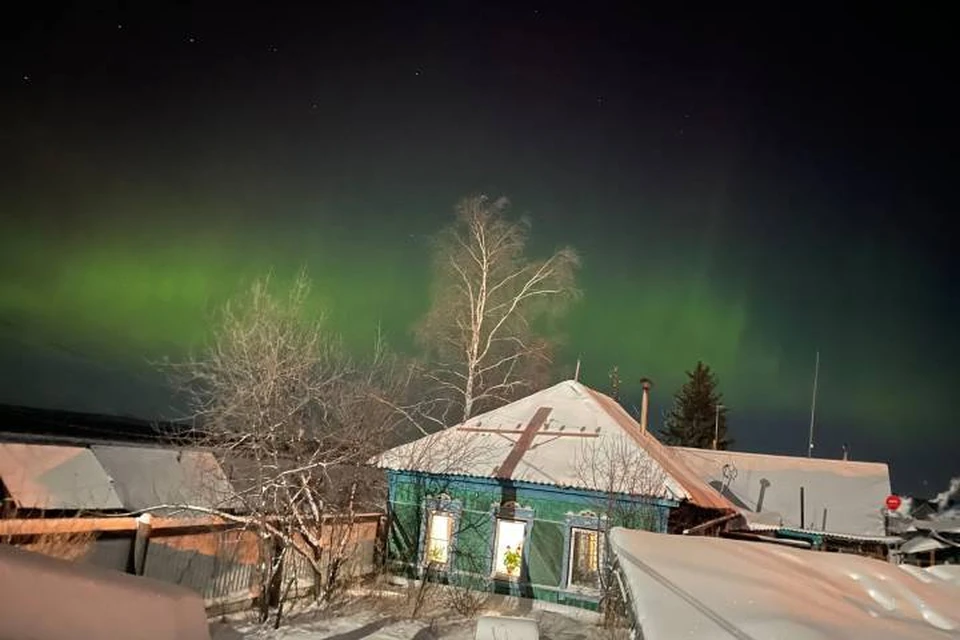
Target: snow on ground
[{"x": 371, "y": 619}]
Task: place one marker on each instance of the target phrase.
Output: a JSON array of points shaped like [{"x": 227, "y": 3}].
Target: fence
[{"x": 218, "y": 559}]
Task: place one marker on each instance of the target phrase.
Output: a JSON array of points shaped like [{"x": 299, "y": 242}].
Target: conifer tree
[{"x": 692, "y": 422}]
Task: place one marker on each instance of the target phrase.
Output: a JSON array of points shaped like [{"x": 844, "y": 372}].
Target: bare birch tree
[
  {"x": 293, "y": 419},
  {"x": 489, "y": 300},
  {"x": 625, "y": 478}
]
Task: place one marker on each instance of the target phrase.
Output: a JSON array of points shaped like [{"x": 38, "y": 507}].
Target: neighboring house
[
  {"x": 830, "y": 504},
  {"x": 930, "y": 541},
  {"x": 517, "y": 500},
  {"x": 37, "y": 479},
  {"x": 930, "y": 529},
  {"x": 700, "y": 588},
  {"x": 52, "y": 480}
]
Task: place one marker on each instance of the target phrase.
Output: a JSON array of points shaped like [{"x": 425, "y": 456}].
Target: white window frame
[
  {"x": 496, "y": 573},
  {"x": 451, "y": 526},
  {"x": 571, "y": 560}
]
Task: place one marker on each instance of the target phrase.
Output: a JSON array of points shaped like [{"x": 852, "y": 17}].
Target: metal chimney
[{"x": 645, "y": 402}]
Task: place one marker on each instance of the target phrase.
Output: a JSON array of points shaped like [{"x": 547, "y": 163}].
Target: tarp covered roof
[
  {"x": 549, "y": 437},
  {"x": 147, "y": 477},
  {"x": 53, "y": 477},
  {"x": 43, "y": 597},
  {"x": 766, "y": 489},
  {"x": 702, "y": 588}
]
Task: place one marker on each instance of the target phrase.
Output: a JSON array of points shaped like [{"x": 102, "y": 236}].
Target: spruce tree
[{"x": 692, "y": 420}]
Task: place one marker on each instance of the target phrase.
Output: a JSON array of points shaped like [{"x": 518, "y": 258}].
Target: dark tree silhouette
[{"x": 697, "y": 411}]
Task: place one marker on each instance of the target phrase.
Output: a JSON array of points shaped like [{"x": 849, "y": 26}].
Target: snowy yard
[{"x": 379, "y": 618}]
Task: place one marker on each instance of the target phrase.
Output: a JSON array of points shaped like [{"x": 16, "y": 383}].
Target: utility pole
[
  {"x": 813, "y": 405},
  {"x": 716, "y": 428}
]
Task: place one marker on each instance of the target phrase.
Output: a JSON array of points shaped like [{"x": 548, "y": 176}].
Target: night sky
[{"x": 743, "y": 188}]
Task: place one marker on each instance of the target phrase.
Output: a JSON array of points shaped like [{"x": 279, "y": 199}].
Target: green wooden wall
[{"x": 476, "y": 500}]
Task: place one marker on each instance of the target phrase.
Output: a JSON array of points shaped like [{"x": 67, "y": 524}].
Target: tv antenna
[{"x": 813, "y": 405}]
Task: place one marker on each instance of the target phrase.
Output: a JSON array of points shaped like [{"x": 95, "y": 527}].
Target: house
[
  {"x": 517, "y": 500},
  {"x": 700, "y": 587},
  {"x": 829, "y": 504},
  {"x": 930, "y": 528}
]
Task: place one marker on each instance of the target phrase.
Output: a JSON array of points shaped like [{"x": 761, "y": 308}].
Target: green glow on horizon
[{"x": 135, "y": 294}]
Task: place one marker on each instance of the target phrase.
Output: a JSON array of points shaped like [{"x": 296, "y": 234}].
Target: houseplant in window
[
  {"x": 436, "y": 554},
  {"x": 511, "y": 561}
]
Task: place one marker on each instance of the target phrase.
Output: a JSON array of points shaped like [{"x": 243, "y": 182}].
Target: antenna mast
[{"x": 813, "y": 405}]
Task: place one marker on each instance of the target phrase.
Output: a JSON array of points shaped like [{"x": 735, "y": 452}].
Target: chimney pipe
[
  {"x": 846, "y": 453},
  {"x": 645, "y": 403}
]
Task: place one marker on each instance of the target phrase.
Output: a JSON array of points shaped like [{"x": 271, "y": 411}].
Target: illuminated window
[
  {"x": 439, "y": 534},
  {"x": 585, "y": 558},
  {"x": 509, "y": 549}
]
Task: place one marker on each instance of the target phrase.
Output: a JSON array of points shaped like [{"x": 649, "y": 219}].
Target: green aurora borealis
[{"x": 129, "y": 295}]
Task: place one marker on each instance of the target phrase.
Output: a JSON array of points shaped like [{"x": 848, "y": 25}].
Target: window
[
  {"x": 585, "y": 558},
  {"x": 509, "y": 549},
  {"x": 439, "y": 535}
]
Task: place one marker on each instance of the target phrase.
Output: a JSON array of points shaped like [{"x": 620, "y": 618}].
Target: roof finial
[{"x": 576, "y": 373}]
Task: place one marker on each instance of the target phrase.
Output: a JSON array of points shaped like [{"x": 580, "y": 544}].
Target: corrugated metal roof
[
  {"x": 579, "y": 423},
  {"x": 54, "y": 477},
  {"x": 147, "y": 477},
  {"x": 851, "y": 537},
  {"x": 767, "y": 488},
  {"x": 702, "y": 588}
]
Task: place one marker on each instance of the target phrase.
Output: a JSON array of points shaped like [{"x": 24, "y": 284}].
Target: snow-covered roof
[
  {"x": 705, "y": 588},
  {"x": 41, "y": 476},
  {"x": 766, "y": 489},
  {"x": 567, "y": 435}
]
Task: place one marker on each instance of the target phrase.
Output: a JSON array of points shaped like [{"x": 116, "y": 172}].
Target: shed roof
[
  {"x": 551, "y": 437},
  {"x": 147, "y": 477},
  {"x": 702, "y": 588},
  {"x": 55, "y": 477},
  {"x": 766, "y": 488}
]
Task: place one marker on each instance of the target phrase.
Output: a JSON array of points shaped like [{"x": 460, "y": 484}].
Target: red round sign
[{"x": 893, "y": 502}]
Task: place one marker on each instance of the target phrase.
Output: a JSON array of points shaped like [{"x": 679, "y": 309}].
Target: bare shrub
[
  {"x": 294, "y": 419},
  {"x": 466, "y": 599},
  {"x": 422, "y": 594},
  {"x": 73, "y": 546},
  {"x": 66, "y": 546},
  {"x": 626, "y": 477}
]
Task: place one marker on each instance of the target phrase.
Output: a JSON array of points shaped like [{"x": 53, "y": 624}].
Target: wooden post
[
  {"x": 140, "y": 543},
  {"x": 802, "y": 521}
]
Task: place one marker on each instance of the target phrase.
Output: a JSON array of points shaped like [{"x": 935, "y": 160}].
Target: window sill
[
  {"x": 503, "y": 577},
  {"x": 583, "y": 592}
]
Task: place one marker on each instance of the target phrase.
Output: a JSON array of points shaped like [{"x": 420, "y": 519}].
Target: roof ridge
[{"x": 758, "y": 454}]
